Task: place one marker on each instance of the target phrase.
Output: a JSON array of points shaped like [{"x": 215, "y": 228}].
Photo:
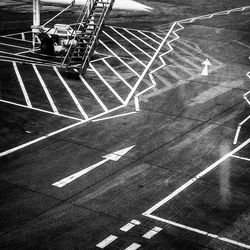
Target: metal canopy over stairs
[{"x": 87, "y": 32}]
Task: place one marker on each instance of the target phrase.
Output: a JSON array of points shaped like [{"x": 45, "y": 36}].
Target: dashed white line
[
  {"x": 150, "y": 234},
  {"x": 54, "y": 108},
  {"x": 71, "y": 93},
  {"x": 20, "y": 80},
  {"x": 130, "y": 225},
  {"x": 133, "y": 246},
  {"x": 107, "y": 241}
]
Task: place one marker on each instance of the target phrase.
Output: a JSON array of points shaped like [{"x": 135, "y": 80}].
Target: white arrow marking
[
  {"x": 110, "y": 157},
  {"x": 206, "y": 63}
]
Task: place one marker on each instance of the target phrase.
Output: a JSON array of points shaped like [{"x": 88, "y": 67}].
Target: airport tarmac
[{"x": 149, "y": 150}]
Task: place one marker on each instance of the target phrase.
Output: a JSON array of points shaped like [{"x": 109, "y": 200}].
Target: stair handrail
[{"x": 87, "y": 7}]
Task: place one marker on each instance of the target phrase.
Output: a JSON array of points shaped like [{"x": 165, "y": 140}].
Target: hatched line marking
[
  {"x": 124, "y": 37},
  {"x": 107, "y": 241},
  {"x": 20, "y": 80},
  {"x": 106, "y": 83},
  {"x": 71, "y": 93},
  {"x": 45, "y": 89},
  {"x": 119, "y": 58},
  {"x": 121, "y": 46},
  {"x": 92, "y": 92},
  {"x": 148, "y": 37},
  {"x": 117, "y": 74},
  {"x": 138, "y": 38}
]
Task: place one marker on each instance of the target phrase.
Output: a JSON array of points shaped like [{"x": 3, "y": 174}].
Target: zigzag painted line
[
  {"x": 190, "y": 20},
  {"x": 246, "y": 119},
  {"x": 136, "y": 98}
]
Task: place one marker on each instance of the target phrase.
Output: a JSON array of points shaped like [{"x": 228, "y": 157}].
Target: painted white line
[
  {"x": 150, "y": 234},
  {"x": 161, "y": 38},
  {"x": 107, "y": 241},
  {"x": 117, "y": 74},
  {"x": 119, "y": 58},
  {"x": 23, "y": 36},
  {"x": 124, "y": 37},
  {"x": 113, "y": 117},
  {"x": 241, "y": 158},
  {"x": 214, "y": 236},
  {"x": 73, "y": 177},
  {"x": 128, "y": 52},
  {"x": 41, "y": 110},
  {"x": 138, "y": 38},
  {"x": 92, "y": 92},
  {"x": 7, "y": 152},
  {"x": 149, "y": 37},
  {"x": 133, "y": 246},
  {"x": 20, "y": 80},
  {"x": 196, "y": 178},
  {"x": 106, "y": 83},
  {"x": 149, "y": 64},
  {"x": 45, "y": 89},
  {"x": 237, "y": 135},
  {"x": 130, "y": 225},
  {"x": 19, "y": 33},
  {"x": 147, "y": 31},
  {"x": 115, "y": 156},
  {"x": 71, "y": 93},
  {"x": 14, "y": 46},
  {"x": 17, "y": 39}
]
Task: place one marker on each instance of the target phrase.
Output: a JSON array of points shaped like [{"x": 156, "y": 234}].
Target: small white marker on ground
[
  {"x": 107, "y": 241},
  {"x": 150, "y": 234},
  {"x": 130, "y": 225}
]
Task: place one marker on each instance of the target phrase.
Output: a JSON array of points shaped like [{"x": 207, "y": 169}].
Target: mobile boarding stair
[{"x": 87, "y": 33}]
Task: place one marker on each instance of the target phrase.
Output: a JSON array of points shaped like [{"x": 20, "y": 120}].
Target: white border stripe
[
  {"x": 241, "y": 158},
  {"x": 107, "y": 241},
  {"x": 113, "y": 117},
  {"x": 40, "y": 110},
  {"x": 92, "y": 92},
  {"x": 71, "y": 93},
  {"x": 106, "y": 83},
  {"x": 20, "y": 80},
  {"x": 195, "y": 230},
  {"x": 39, "y": 139},
  {"x": 196, "y": 178},
  {"x": 45, "y": 89}
]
